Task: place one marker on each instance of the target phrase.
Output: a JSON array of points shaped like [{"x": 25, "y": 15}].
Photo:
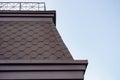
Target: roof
[{"x": 30, "y": 38}]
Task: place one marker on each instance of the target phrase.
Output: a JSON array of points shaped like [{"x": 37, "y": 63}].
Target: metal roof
[{"x": 30, "y": 38}]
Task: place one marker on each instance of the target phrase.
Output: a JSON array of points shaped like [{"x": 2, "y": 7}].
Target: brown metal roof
[
  {"x": 32, "y": 49},
  {"x": 31, "y": 40}
]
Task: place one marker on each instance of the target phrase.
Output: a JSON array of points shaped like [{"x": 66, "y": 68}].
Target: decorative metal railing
[{"x": 23, "y": 6}]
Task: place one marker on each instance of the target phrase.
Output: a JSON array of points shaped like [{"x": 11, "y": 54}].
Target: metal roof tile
[{"x": 31, "y": 40}]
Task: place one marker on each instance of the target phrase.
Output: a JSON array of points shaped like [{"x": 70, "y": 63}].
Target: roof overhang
[{"x": 42, "y": 70}]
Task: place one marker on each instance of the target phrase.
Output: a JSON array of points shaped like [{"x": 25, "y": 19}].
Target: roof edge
[
  {"x": 26, "y": 11},
  {"x": 44, "y": 62},
  {"x": 42, "y": 14}
]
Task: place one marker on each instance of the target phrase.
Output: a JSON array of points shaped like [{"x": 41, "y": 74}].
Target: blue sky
[{"x": 91, "y": 30}]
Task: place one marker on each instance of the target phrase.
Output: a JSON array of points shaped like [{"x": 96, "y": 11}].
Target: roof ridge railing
[{"x": 23, "y": 6}]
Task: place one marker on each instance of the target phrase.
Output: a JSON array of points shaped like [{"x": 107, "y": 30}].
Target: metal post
[
  {"x": 20, "y": 6},
  {"x": 44, "y": 7},
  {"x": 38, "y": 6}
]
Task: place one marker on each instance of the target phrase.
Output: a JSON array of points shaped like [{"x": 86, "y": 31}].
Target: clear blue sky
[{"x": 91, "y": 30}]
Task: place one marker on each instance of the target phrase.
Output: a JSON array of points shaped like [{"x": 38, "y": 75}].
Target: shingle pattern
[{"x": 24, "y": 40}]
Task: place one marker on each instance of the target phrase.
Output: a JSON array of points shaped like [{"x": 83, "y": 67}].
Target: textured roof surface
[{"x": 37, "y": 40}]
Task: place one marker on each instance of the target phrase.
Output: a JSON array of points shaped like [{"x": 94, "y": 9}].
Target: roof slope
[{"x": 31, "y": 40}]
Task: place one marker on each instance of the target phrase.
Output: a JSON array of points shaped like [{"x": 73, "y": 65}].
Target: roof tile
[{"x": 31, "y": 40}]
